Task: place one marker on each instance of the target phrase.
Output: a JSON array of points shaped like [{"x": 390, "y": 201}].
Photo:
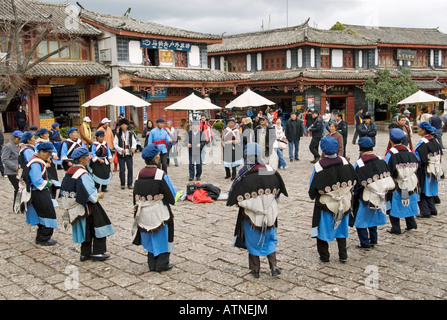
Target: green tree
[
  {"x": 388, "y": 90},
  {"x": 338, "y": 26}
]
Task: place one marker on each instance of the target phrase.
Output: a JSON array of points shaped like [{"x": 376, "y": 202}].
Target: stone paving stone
[{"x": 208, "y": 266}]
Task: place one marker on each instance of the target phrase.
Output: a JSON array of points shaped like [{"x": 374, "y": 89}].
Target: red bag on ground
[{"x": 201, "y": 196}]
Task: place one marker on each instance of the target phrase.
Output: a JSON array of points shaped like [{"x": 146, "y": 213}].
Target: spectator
[
  {"x": 367, "y": 128},
  {"x": 343, "y": 129},
  {"x": 436, "y": 122},
  {"x": 294, "y": 130}
]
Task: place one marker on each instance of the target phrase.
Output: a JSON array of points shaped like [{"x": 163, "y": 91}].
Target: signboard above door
[{"x": 165, "y": 44}]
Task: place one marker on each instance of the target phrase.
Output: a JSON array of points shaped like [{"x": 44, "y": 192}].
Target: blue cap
[
  {"x": 427, "y": 126},
  {"x": 17, "y": 134},
  {"x": 33, "y": 128},
  {"x": 329, "y": 145},
  {"x": 26, "y": 136},
  {"x": 366, "y": 143},
  {"x": 46, "y": 146},
  {"x": 41, "y": 131},
  {"x": 397, "y": 135},
  {"x": 160, "y": 120},
  {"x": 150, "y": 152},
  {"x": 54, "y": 125},
  {"x": 232, "y": 119},
  {"x": 253, "y": 149},
  {"x": 71, "y": 130},
  {"x": 79, "y": 153},
  {"x": 100, "y": 133}
]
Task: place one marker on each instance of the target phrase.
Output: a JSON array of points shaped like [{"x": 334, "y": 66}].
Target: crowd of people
[{"x": 404, "y": 185}]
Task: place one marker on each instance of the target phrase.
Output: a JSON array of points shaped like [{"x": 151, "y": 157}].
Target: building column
[{"x": 33, "y": 105}]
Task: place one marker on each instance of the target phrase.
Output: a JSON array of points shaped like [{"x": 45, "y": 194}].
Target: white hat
[
  {"x": 87, "y": 119},
  {"x": 105, "y": 120}
]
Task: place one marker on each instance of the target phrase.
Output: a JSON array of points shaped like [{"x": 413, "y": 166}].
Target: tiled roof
[
  {"x": 177, "y": 74},
  {"x": 33, "y": 11},
  {"x": 126, "y": 23},
  {"x": 394, "y": 35},
  {"x": 69, "y": 69},
  {"x": 312, "y": 74},
  {"x": 289, "y": 36},
  {"x": 430, "y": 84}
]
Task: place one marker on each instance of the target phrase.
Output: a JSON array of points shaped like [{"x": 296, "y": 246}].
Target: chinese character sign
[{"x": 166, "y": 44}]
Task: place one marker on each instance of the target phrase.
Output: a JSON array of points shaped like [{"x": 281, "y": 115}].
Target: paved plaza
[{"x": 208, "y": 267}]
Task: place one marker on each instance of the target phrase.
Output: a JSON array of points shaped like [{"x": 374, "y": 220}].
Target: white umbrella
[
  {"x": 192, "y": 103},
  {"x": 249, "y": 99},
  {"x": 116, "y": 97},
  {"x": 420, "y": 97}
]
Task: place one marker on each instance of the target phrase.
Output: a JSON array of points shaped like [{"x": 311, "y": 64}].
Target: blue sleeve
[
  {"x": 416, "y": 153},
  {"x": 171, "y": 186},
  {"x": 64, "y": 151},
  {"x": 93, "y": 153},
  {"x": 28, "y": 154},
  {"x": 89, "y": 185},
  {"x": 109, "y": 153},
  {"x": 387, "y": 157},
  {"x": 151, "y": 137},
  {"x": 35, "y": 175}
]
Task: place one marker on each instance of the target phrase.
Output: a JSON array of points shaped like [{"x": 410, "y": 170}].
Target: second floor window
[
  {"x": 275, "y": 60},
  {"x": 421, "y": 59},
  {"x": 73, "y": 52},
  {"x": 387, "y": 58}
]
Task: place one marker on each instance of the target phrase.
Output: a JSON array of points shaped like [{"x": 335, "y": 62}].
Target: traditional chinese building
[
  {"x": 308, "y": 67},
  {"x": 59, "y": 85}
]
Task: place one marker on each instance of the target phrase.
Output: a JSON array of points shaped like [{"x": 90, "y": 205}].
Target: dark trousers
[
  {"x": 367, "y": 240},
  {"x": 103, "y": 187},
  {"x": 15, "y": 183},
  {"x": 195, "y": 169},
  {"x": 313, "y": 147},
  {"x": 158, "y": 263},
  {"x": 323, "y": 249},
  {"x": 356, "y": 135},
  {"x": 123, "y": 162},
  {"x": 93, "y": 247},
  {"x": 254, "y": 262},
  {"x": 43, "y": 233},
  {"x": 427, "y": 206},
  {"x": 395, "y": 224},
  {"x": 230, "y": 173},
  {"x": 2, "y": 169},
  {"x": 163, "y": 163}
]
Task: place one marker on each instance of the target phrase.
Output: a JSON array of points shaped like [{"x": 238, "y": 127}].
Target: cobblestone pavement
[{"x": 208, "y": 267}]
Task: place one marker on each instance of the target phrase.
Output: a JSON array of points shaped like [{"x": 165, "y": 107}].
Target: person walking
[
  {"x": 331, "y": 185},
  {"x": 21, "y": 118},
  {"x": 125, "y": 146},
  {"x": 342, "y": 127},
  {"x": 256, "y": 191},
  {"x": 153, "y": 196},
  {"x": 294, "y": 130},
  {"x": 10, "y": 159},
  {"x": 85, "y": 132}
]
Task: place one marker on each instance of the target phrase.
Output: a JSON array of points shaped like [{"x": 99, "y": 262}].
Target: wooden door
[
  {"x": 325, "y": 62},
  {"x": 348, "y": 59},
  {"x": 180, "y": 59}
]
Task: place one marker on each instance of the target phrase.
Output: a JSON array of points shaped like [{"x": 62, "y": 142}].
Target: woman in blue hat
[
  {"x": 403, "y": 164},
  {"x": 331, "y": 185},
  {"x": 370, "y": 194},
  {"x": 39, "y": 206},
  {"x": 56, "y": 140},
  {"x": 256, "y": 191},
  {"x": 101, "y": 162},
  {"x": 69, "y": 145},
  {"x": 80, "y": 200},
  {"x": 153, "y": 196},
  {"x": 429, "y": 153}
]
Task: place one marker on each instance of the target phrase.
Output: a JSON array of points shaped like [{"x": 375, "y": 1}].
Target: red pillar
[{"x": 33, "y": 105}]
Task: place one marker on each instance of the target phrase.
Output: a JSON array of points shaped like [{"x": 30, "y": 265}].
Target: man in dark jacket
[
  {"x": 358, "y": 121},
  {"x": 195, "y": 140},
  {"x": 294, "y": 130},
  {"x": 367, "y": 128},
  {"x": 317, "y": 133},
  {"x": 342, "y": 129},
  {"x": 436, "y": 122}
]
